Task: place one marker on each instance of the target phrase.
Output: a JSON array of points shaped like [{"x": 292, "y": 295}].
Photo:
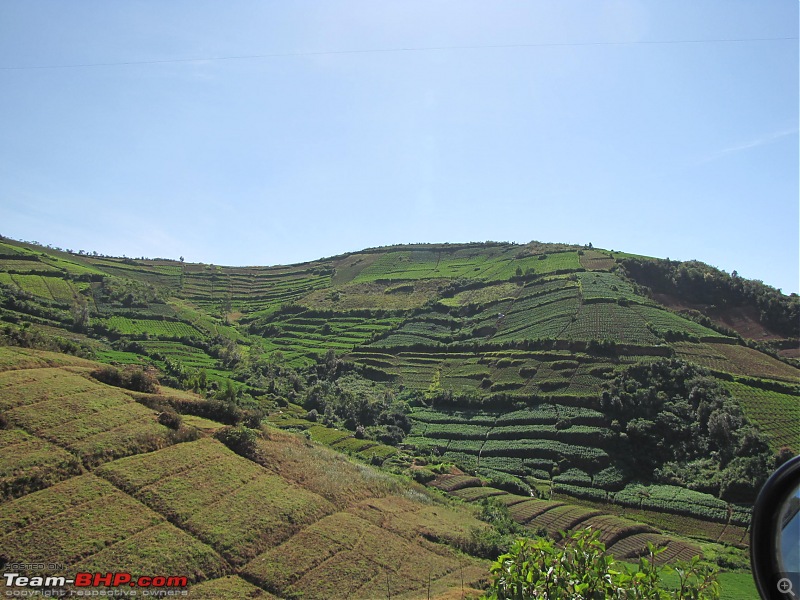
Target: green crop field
[
  {"x": 777, "y": 414},
  {"x": 165, "y": 329}
]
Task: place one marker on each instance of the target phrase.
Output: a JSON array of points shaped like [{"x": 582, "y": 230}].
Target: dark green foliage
[
  {"x": 498, "y": 538},
  {"x": 697, "y": 282},
  {"x": 171, "y": 419},
  {"x": 240, "y": 439},
  {"x": 352, "y": 401},
  {"x": 683, "y": 426},
  {"x": 131, "y": 377},
  {"x": 503, "y": 481},
  {"x": 27, "y": 337}
]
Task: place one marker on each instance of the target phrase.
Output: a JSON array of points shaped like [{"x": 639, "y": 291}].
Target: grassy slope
[{"x": 197, "y": 509}]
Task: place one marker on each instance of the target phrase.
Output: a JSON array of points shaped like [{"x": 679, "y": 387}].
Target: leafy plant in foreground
[{"x": 581, "y": 570}]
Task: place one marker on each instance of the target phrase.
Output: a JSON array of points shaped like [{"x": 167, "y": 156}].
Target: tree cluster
[
  {"x": 677, "y": 425},
  {"x": 702, "y": 284}
]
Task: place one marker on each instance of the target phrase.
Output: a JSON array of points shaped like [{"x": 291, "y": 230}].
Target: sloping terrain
[
  {"x": 536, "y": 368},
  {"x": 311, "y": 522}
]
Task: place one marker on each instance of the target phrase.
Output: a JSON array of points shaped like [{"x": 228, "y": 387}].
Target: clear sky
[{"x": 508, "y": 121}]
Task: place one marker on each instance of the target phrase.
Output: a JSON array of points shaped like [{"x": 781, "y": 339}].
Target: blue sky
[{"x": 553, "y": 121}]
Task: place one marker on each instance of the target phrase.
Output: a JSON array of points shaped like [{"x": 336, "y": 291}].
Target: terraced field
[
  {"x": 624, "y": 538},
  {"x": 501, "y": 352},
  {"x": 485, "y": 264},
  {"x": 737, "y": 360},
  {"x": 778, "y": 414},
  {"x": 335, "y": 528},
  {"x": 92, "y": 421}
]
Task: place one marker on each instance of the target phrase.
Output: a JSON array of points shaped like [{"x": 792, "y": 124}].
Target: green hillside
[{"x": 576, "y": 386}]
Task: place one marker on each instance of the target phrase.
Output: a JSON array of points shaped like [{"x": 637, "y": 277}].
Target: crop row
[
  {"x": 606, "y": 286},
  {"x": 563, "y": 518},
  {"x": 545, "y": 449},
  {"x": 594, "y": 260},
  {"x": 675, "y": 500},
  {"x": 664, "y": 321},
  {"x": 739, "y": 360},
  {"x": 158, "y": 328}
]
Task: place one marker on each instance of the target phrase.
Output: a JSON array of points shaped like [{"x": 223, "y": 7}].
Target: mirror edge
[{"x": 763, "y": 560}]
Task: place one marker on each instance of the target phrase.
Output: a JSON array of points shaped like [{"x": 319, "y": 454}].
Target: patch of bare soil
[{"x": 742, "y": 319}]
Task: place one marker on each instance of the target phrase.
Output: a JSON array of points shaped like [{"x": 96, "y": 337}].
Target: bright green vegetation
[
  {"x": 542, "y": 369},
  {"x": 777, "y": 413},
  {"x": 492, "y": 264},
  {"x": 164, "y": 329},
  {"x": 582, "y": 568},
  {"x": 624, "y": 538}
]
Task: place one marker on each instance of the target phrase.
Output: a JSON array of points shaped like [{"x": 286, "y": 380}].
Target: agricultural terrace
[
  {"x": 597, "y": 260},
  {"x": 14, "y": 358},
  {"x": 28, "y": 463},
  {"x": 189, "y": 356},
  {"x": 373, "y": 296},
  {"x": 737, "y": 360},
  {"x": 60, "y": 525},
  {"x": 777, "y": 414},
  {"x": 185, "y": 483},
  {"x": 305, "y": 334},
  {"x": 292, "y": 418},
  {"x": 362, "y": 552},
  {"x": 510, "y": 372},
  {"x": 162, "y": 274},
  {"x": 90, "y": 420},
  {"x": 681, "y": 501},
  {"x": 625, "y": 539},
  {"x": 524, "y": 443},
  {"x": 154, "y": 327},
  {"x": 52, "y": 288},
  {"x": 498, "y": 263},
  {"x": 597, "y": 287},
  {"x": 251, "y": 289},
  {"x": 562, "y": 443}
]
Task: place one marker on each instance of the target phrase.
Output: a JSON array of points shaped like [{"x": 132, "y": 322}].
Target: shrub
[
  {"x": 581, "y": 569},
  {"x": 171, "y": 419},
  {"x": 132, "y": 378},
  {"x": 240, "y": 439}
]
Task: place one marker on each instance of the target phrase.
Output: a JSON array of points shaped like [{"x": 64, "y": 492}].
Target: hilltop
[{"x": 523, "y": 373}]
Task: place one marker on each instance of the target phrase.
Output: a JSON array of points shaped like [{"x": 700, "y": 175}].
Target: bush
[
  {"x": 131, "y": 378},
  {"x": 240, "y": 439},
  {"x": 581, "y": 569},
  {"x": 171, "y": 419}
]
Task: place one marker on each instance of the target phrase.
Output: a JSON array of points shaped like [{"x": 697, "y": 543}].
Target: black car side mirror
[{"x": 775, "y": 535}]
